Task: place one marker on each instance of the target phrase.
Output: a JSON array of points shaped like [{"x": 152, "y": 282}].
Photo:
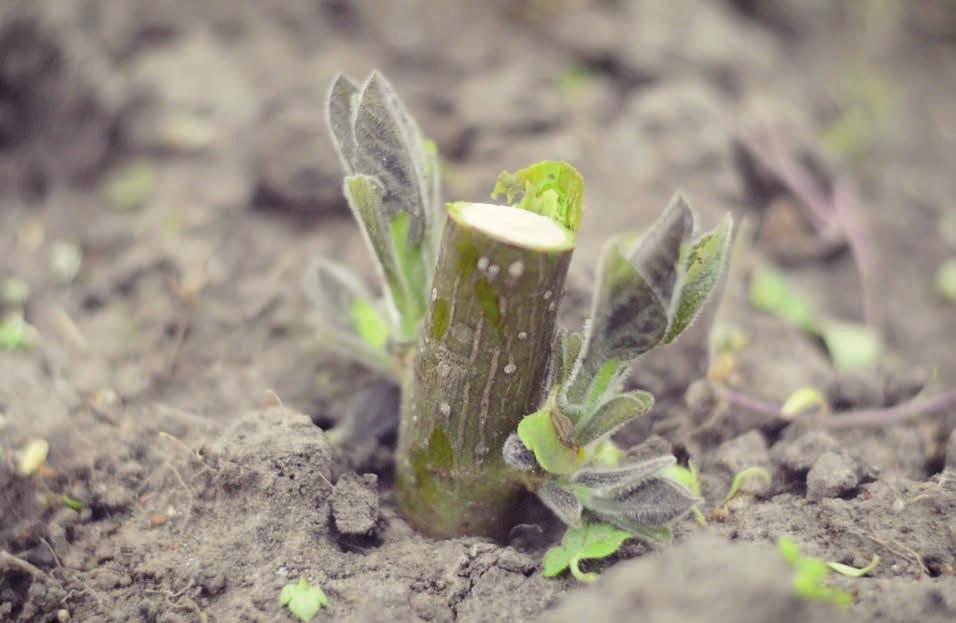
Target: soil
[{"x": 177, "y": 380}]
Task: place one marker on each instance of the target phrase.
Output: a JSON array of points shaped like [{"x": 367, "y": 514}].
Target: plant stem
[
  {"x": 846, "y": 419},
  {"x": 482, "y": 364}
]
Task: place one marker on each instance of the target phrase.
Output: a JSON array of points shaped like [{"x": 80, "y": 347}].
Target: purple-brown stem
[{"x": 847, "y": 419}]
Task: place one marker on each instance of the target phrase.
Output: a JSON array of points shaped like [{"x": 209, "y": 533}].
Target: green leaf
[
  {"x": 73, "y": 504},
  {"x": 370, "y": 326},
  {"x": 303, "y": 600},
  {"x": 853, "y": 572},
  {"x": 689, "y": 477},
  {"x": 739, "y": 479},
  {"x": 657, "y": 256},
  {"x": 549, "y": 188},
  {"x": 561, "y": 501},
  {"x": 649, "y": 502},
  {"x": 852, "y": 346},
  {"x": 769, "y": 292},
  {"x": 804, "y": 400},
  {"x": 610, "y": 481},
  {"x": 553, "y": 454},
  {"x": 16, "y": 333},
  {"x": 590, "y": 541},
  {"x": 627, "y": 319},
  {"x": 701, "y": 270},
  {"x": 392, "y": 189},
  {"x": 605, "y": 454},
  {"x": 946, "y": 279},
  {"x": 406, "y": 298},
  {"x": 809, "y": 575},
  {"x": 611, "y": 415},
  {"x": 570, "y": 344},
  {"x": 343, "y": 99},
  {"x": 389, "y": 146}
]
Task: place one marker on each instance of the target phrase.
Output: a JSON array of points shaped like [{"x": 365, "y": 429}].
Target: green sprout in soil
[
  {"x": 303, "y": 600},
  {"x": 495, "y": 399},
  {"x": 589, "y": 541},
  {"x": 810, "y": 574},
  {"x": 16, "y": 333},
  {"x": 690, "y": 477}
]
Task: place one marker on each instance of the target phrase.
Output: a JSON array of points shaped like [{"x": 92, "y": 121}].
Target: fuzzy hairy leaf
[
  {"x": 343, "y": 302},
  {"x": 554, "y": 455},
  {"x": 652, "y": 502},
  {"x": 656, "y": 257},
  {"x": 392, "y": 189},
  {"x": 389, "y": 147},
  {"x": 570, "y": 344},
  {"x": 343, "y": 99},
  {"x": 516, "y": 455},
  {"x": 549, "y": 188},
  {"x": 396, "y": 263},
  {"x": 590, "y": 541},
  {"x": 628, "y": 318},
  {"x": 701, "y": 270},
  {"x": 611, "y": 415},
  {"x": 562, "y": 502},
  {"x": 614, "y": 481}
]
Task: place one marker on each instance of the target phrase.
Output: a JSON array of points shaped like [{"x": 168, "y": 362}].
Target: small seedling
[
  {"x": 73, "y": 503},
  {"x": 854, "y": 572},
  {"x": 302, "y": 599},
  {"x": 738, "y": 481},
  {"x": 495, "y": 399},
  {"x": 16, "y": 333},
  {"x": 810, "y": 574},
  {"x": 805, "y": 400},
  {"x": 589, "y": 541},
  {"x": 851, "y": 346}
]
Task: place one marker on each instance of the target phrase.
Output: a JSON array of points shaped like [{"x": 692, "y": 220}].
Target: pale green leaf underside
[{"x": 537, "y": 433}]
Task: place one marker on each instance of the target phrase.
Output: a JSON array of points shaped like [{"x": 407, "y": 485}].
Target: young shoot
[{"x": 495, "y": 400}]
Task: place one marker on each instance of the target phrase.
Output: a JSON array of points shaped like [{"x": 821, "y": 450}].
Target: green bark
[{"x": 482, "y": 364}]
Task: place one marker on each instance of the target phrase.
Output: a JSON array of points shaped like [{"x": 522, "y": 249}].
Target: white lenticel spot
[
  {"x": 510, "y": 368},
  {"x": 434, "y": 293},
  {"x": 522, "y": 335},
  {"x": 547, "y": 294},
  {"x": 445, "y": 408},
  {"x": 552, "y": 306},
  {"x": 483, "y": 263},
  {"x": 516, "y": 269},
  {"x": 493, "y": 271}
]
